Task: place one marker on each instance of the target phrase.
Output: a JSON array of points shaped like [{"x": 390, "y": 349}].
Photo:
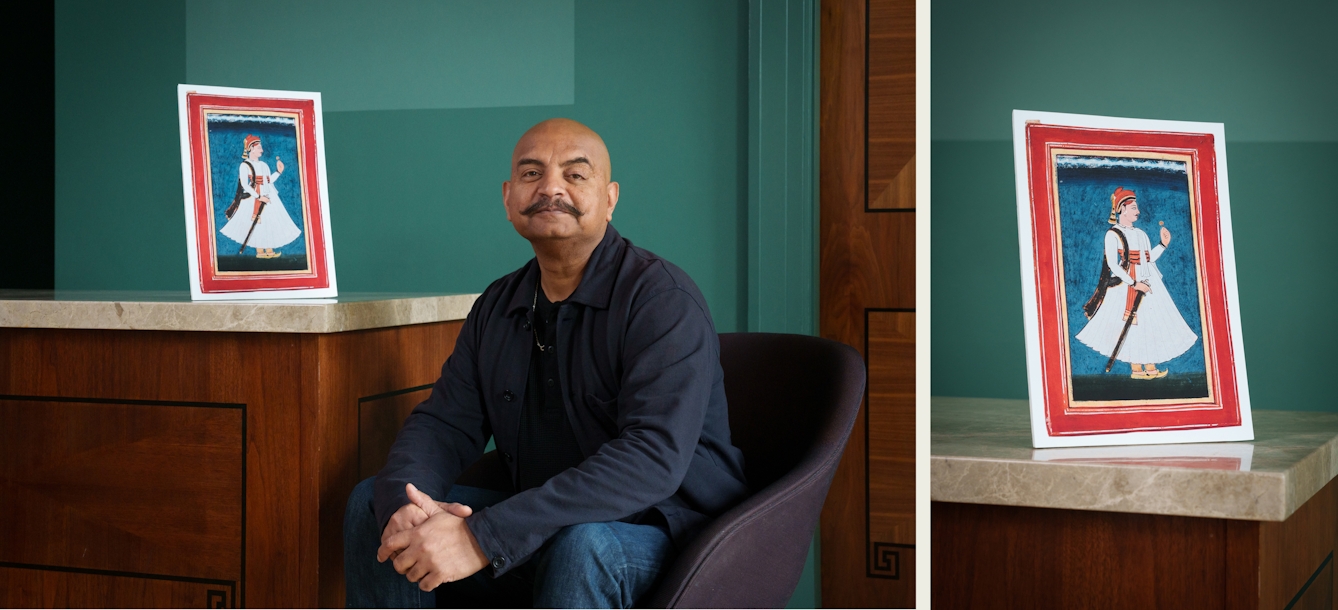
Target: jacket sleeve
[
  {"x": 670, "y": 356},
  {"x": 443, "y": 435}
]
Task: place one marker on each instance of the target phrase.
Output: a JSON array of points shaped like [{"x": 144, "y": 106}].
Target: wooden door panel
[
  {"x": 891, "y": 413},
  {"x": 867, "y": 292}
]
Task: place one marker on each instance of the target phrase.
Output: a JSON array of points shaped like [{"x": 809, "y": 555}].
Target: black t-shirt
[{"x": 547, "y": 445}]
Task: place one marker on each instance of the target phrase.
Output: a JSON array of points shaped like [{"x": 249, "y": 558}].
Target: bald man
[{"x": 595, "y": 368}]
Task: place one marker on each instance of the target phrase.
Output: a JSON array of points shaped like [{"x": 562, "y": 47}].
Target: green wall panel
[
  {"x": 120, "y": 217},
  {"x": 389, "y": 54},
  {"x": 1269, "y": 70},
  {"x": 415, "y": 195}
]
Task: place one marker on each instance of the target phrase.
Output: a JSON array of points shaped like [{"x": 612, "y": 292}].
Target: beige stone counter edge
[
  {"x": 233, "y": 316},
  {"x": 1113, "y": 488},
  {"x": 1256, "y": 496}
]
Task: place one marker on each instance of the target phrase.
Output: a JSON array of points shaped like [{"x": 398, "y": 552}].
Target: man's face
[
  {"x": 1129, "y": 213},
  {"x": 256, "y": 151},
  {"x": 559, "y": 187}
]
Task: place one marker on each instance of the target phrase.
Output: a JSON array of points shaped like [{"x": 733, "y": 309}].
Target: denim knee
[{"x": 359, "y": 516}]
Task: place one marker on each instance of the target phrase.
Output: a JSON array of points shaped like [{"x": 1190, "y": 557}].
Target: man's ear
[
  {"x": 613, "y": 201},
  {"x": 506, "y": 192}
]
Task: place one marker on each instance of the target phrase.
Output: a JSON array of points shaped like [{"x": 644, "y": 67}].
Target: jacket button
[
  {"x": 508, "y": 396},
  {"x": 498, "y": 562},
  {"x": 524, "y": 325},
  {"x": 506, "y": 456}
]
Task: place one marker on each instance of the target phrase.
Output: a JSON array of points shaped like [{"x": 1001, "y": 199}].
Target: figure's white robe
[
  {"x": 276, "y": 228},
  {"x": 1159, "y": 332}
]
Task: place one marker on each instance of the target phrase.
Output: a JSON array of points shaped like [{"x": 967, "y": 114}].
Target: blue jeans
[{"x": 589, "y": 565}]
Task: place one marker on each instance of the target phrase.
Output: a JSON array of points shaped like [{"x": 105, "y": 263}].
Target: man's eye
[
  {"x": 531, "y": 173},
  {"x": 577, "y": 177}
]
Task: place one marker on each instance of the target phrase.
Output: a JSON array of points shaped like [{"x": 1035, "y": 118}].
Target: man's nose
[{"x": 553, "y": 184}]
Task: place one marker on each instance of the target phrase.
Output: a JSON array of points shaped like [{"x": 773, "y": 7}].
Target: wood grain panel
[
  {"x": 1016, "y": 557},
  {"x": 153, "y": 489},
  {"x": 261, "y": 371},
  {"x": 379, "y": 420},
  {"x": 354, "y": 366},
  {"x": 891, "y": 411},
  {"x": 27, "y": 588},
  {"x": 296, "y": 412},
  {"x": 891, "y": 103},
  {"x": 1293, "y": 551},
  {"x": 867, "y": 262}
]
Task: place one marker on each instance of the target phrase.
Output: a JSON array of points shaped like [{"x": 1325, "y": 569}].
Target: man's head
[{"x": 560, "y": 186}]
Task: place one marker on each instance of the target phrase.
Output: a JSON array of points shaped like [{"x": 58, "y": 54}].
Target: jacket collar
[{"x": 596, "y": 281}]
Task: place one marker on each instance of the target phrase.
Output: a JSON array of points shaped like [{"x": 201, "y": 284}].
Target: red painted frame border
[
  {"x": 1060, "y": 417},
  {"x": 211, "y": 283}
]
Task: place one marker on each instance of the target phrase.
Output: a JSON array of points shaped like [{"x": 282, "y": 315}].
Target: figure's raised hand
[
  {"x": 1165, "y": 235},
  {"x": 278, "y": 163}
]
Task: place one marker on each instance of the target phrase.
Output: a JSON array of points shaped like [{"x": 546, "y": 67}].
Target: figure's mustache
[{"x": 545, "y": 204}]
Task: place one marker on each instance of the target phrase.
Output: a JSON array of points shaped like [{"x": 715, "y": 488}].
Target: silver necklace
[{"x": 534, "y": 315}]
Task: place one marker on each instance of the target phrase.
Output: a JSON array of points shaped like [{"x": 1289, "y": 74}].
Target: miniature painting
[
  {"x": 257, "y": 218},
  {"x": 1131, "y": 314}
]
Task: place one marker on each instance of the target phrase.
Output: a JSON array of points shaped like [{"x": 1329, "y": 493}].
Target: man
[
  {"x": 1157, "y": 333},
  {"x": 595, "y": 367}
]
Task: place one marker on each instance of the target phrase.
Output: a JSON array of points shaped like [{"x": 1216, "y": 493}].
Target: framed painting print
[
  {"x": 1129, "y": 282},
  {"x": 257, "y": 211}
]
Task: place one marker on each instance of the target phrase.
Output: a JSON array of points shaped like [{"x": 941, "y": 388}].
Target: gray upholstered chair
[{"x": 792, "y": 403}]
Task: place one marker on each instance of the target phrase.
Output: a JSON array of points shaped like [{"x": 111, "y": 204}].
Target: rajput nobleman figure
[{"x": 596, "y": 369}]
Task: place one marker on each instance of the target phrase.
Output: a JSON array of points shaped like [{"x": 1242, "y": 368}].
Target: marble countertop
[
  {"x": 980, "y": 453},
  {"x": 175, "y": 311}
]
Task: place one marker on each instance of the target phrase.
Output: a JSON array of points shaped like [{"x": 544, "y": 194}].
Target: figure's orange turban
[{"x": 1118, "y": 198}]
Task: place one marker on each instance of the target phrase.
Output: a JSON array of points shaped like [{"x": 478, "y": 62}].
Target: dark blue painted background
[
  {"x": 225, "y": 157},
  {"x": 1084, "y": 207}
]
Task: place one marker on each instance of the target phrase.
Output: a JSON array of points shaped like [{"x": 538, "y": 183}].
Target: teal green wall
[
  {"x": 415, "y": 195},
  {"x": 1269, "y": 72}
]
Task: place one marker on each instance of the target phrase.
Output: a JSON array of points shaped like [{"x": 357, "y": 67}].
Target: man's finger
[
  {"x": 432, "y": 581},
  {"x": 456, "y": 508},
  {"x": 422, "y": 500},
  {"x": 404, "y": 562},
  {"x": 417, "y": 572},
  {"x": 392, "y": 545}
]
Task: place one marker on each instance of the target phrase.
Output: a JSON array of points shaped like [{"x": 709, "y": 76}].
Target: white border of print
[
  {"x": 1040, "y": 436},
  {"x": 188, "y": 191}
]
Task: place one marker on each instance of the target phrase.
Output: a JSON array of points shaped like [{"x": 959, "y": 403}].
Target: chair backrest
[{"x": 792, "y": 402}]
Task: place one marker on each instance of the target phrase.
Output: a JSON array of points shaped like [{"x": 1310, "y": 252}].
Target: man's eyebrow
[
  {"x": 577, "y": 160},
  {"x": 528, "y": 161}
]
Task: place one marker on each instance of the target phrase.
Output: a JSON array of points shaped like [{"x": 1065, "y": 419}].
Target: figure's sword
[
  {"x": 1138, "y": 298},
  {"x": 262, "y": 209}
]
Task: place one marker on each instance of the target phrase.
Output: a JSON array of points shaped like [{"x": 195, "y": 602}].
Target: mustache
[{"x": 545, "y": 204}]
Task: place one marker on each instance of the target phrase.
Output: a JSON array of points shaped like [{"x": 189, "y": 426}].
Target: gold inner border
[
  {"x": 1131, "y": 406},
  {"x": 205, "y": 111}
]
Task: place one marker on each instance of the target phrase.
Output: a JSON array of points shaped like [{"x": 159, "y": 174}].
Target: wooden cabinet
[{"x": 194, "y": 469}]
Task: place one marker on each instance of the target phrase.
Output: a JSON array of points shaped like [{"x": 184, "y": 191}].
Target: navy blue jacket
[{"x": 639, "y": 361}]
